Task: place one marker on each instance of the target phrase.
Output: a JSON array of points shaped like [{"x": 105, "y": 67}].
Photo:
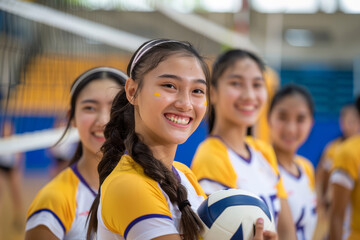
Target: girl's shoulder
[
  {"x": 127, "y": 173},
  {"x": 212, "y": 152},
  {"x": 258, "y": 144},
  {"x": 332, "y": 146},
  {"x": 351, "y": 143},
  {"x": 58, "y": 197},
  {"x": 212, "y": 143},
  {"x": 303, "y": 161},
  {"x": 61, "y": 187}
]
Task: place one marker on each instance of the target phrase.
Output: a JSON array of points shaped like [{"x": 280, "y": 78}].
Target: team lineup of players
[{"x": 123, "y": 182}]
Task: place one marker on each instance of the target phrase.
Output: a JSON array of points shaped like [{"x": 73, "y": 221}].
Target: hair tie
[
  {"x": 146, "y": 47},
  {"x": 88, "y": 73},
  {"x": 184, "y": 204}
]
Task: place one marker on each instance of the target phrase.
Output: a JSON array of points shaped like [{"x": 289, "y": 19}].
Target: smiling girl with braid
[{"x": 143, "y": 193}]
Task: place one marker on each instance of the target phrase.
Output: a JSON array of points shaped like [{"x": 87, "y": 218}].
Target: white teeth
[
  {"x": 248, "y": 108},
  {"x": 183, "y": 121},
  {"x": 99, "y": 134},
  {"x": 178, "y": 120}
]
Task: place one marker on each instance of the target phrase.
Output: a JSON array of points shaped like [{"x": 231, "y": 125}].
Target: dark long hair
[
  {"x": 221, "y": 64},
  {"x": 290, "y": 90},
  {"x": 120, "y": 134},
  {"x": 80, "y": 82},
  {"x": 357, "y": 103}
]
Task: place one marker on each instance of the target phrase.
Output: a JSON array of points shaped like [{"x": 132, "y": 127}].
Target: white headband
[
  {"x": 143, "y": 50},
  {"x": 94, "y": 70}
]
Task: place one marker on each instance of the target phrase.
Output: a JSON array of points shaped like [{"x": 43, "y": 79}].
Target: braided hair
[{"x": 121, "y": 136}]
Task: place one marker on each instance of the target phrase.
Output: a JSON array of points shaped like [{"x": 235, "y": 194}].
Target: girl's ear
[{"x": 130, "y": 89}]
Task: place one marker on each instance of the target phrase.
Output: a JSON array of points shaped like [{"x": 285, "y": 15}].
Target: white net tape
[
  {"x": 106, "y": 35},
  {"x": 35, "y": 140}
]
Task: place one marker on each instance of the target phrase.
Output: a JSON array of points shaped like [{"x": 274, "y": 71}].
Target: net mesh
[
  {"x": 45, "y": 45},
  {"x": 39, "y": 61}
]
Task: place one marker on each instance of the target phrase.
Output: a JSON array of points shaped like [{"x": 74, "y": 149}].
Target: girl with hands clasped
[{"x": 143, "y": 193}]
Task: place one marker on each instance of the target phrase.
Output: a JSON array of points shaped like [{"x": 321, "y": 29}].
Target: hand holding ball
[{"x": 231, "y": 215}]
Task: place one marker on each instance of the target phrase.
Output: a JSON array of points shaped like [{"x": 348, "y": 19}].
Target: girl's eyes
[
  {"x": 235, "y": 83},
  {"x": 258, "y": 85},
  {"x": 282, "y": 117},
  {"x": 89, "y": 108},
  {"x": 199, "y": 91},
  {"x": 172, "y": 86},
  {"x": 169, "y": 85},
  {"x": 301, "y": 119}
]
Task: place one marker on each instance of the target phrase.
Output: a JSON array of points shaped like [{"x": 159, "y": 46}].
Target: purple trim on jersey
[
  {"x": 175, "y": 171},
  {"x": 247, "y": 160},
  {"x": 250, "y": 154},
  {"x": 52, "y": 213},
  {"x": 77, "y": 173},
  {"x": 139, "y": 219},
  {"x": 291, "y": 174},
  {"x": 210, "y": 180}
]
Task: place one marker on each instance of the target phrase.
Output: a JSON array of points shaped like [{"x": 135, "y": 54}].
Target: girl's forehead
[
  {"x": 349, "y": 111},
  {"x": 100, "y": 83},
  {"x": 179, "y": 65},
  {"x": 99, "y": 87},
  {"x": 243, "y": 65},
  {"x": 293, "y": 102}
]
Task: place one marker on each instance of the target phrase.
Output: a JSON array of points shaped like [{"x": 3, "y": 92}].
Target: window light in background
[{"x": 299, "y": 37}]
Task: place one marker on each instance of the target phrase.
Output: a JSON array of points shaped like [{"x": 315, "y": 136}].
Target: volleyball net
[
  {"x": 42, "y": 51},
  {"x": 44, "y": 48}
]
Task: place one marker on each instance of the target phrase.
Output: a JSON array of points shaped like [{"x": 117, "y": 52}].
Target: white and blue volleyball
[{"x": 231, "y": 215}]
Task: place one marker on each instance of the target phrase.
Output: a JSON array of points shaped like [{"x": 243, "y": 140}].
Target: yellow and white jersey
[
  {"x": 217, "y": 167},
  {"x": 301, "y": 197},
  {"x": 63, "y": 205},
  {"x": 133, "y": 206},
  {"x": 346, "y": 172},
  {"x": 330, "y": 151}
]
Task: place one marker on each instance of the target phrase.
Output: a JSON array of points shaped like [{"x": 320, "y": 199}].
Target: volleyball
[{"x": 231, "y": 214}]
